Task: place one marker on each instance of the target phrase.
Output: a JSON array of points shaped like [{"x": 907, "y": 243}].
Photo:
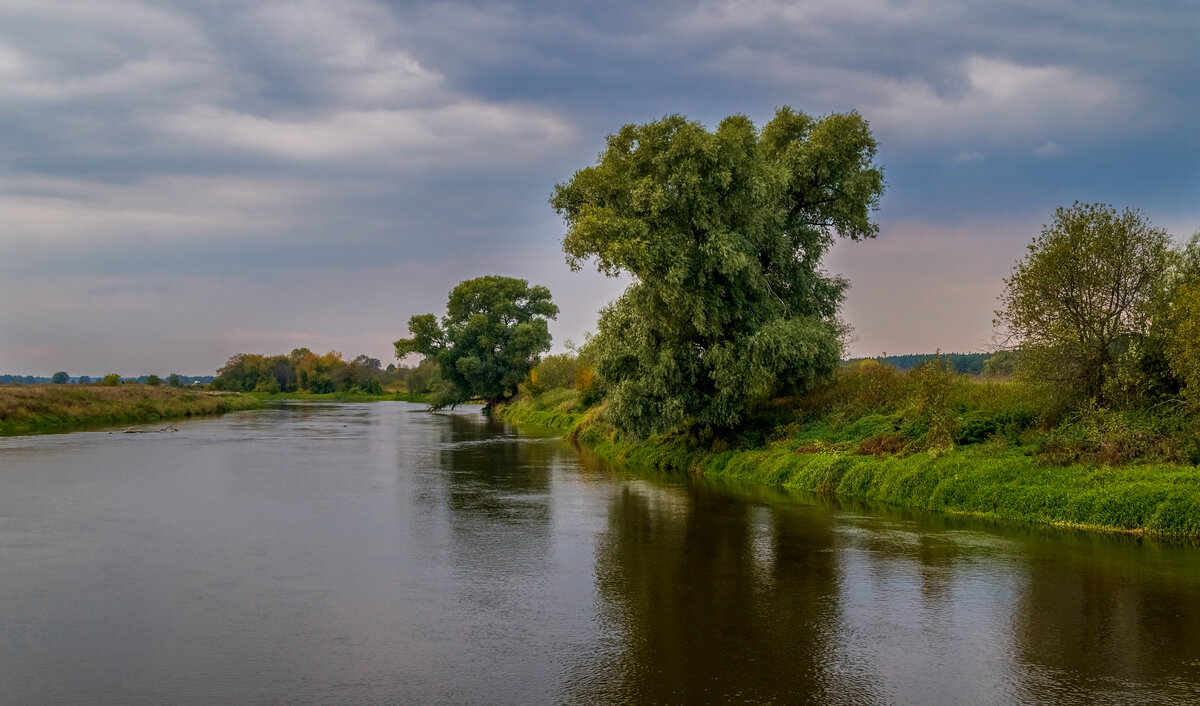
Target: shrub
[
  {"x": 882, "y": 444},
  {"x": 935, "y": 381}
]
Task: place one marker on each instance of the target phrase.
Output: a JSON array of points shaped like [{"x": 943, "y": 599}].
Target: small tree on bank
[
  {"x": 60, "y": 378},
  {"x": 1081, "y": 302},
  {"x": 493, "y": 332}
]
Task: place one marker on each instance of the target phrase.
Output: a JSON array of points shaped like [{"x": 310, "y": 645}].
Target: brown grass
[
  {"x": 882, "y": 444},
  {"x": 27, "y": 409}
]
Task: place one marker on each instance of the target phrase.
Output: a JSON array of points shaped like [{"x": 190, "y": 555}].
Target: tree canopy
[
  {"x": 1083, "y": 299},
  {"x": 300, "y": 370},
  {"x": 491, "y": 336},
  {"x": 723, "y": 233}
]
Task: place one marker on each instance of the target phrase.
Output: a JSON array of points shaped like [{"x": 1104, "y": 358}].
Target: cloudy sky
[{"x": 180, "y": 181}]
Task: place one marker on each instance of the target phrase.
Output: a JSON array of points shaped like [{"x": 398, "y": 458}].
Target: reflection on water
[{"x": 378, "y": 554}]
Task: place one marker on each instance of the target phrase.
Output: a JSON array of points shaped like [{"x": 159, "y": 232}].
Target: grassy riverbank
[
  {"x": 949, "y": 445},
  {"x": 32, "y": 409}
]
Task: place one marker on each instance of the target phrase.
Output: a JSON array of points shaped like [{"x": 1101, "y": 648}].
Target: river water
[{"x": 374, "y": 553}]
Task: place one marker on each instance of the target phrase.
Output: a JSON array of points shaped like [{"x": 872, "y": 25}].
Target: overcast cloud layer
[{"x": 181, "y": 181}]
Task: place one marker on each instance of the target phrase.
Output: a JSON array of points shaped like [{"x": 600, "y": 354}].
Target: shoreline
[
  {"x": 61, "y": 409},
  {"x": 51, "y": 409},
  {"x": 987, "y": 481}
]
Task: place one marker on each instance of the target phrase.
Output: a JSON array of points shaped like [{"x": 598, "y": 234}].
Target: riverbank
[
  {"x": 34, "y": 409},
  {"x": 995, "y": 479},
  {"x": 387, "y": 396}
]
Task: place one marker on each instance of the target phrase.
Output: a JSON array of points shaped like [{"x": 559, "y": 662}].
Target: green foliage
[
  {"x": 299, "y": 371},
  {"x": 986, "y": 481},
  {"x": 723, "y": 233},
  {"x": 174, "y": 381},
  {"x": 494, "y": 329},
  {"x": 553, "y": 372},
  {"x": 560, "y": 408},
  {"x": 153, "y": 380},
  {"x": 1083, "y": 298},
  {"x": 111, "y": 380},
  {"x": 932, "y": 408},
  {"x": 965, "y": 363},
  {"x": 60, "y": 378},
  {"x": 1183, "y": 346},
  {"x": 1001, "y": 364},
  {"x": 421, "y": 379}
]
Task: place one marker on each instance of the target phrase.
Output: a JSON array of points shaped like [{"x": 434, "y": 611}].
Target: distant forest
[
  {"x": 86, "y": 379},
  {"x": 968, "y": 363}
]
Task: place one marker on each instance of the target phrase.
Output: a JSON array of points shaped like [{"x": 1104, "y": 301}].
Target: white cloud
[
  {"x": 466, "y": 130},
  {"x": 56, "y": 213},
  {"x": 1001, "y": 98},
  {"x": 65, "y": 50}
]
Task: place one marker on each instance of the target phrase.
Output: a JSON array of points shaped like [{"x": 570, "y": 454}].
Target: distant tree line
[
  {"x": 63, "y": 378},
  {"x": 300, "y": 371},
  {"x": 963, "y": 363},
  {"x": 22, "y": 380}
]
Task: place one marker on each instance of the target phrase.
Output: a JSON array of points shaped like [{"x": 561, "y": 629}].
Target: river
[{"x": 378, "y": 554}]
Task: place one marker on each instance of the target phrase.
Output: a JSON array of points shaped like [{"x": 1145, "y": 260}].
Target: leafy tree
[
  {"x": 240, "y": 373},
  {"x": 723, "y": 233},
  {"x": 421, "y": 379},
  {"x": 174, "y": 381},
  {"x": 494, "y": 329},
  {"x": 153, "y": 380},
  {"x": 1178, "y": 328},
  {"x": 60, "y": 378},
  {"x": 1080, "y": 303},
  {"x": 1183, "y": 348},
  {"x": 111, "y": 380},
  {"x": 553, "y": 372},
  {"x": 85, "y": 380}
]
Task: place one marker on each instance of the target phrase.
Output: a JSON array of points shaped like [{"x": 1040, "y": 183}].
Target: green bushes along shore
[{"x": 935, "y": 440}]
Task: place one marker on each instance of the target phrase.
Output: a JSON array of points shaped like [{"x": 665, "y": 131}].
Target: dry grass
[{"x": 27, "y": 409}]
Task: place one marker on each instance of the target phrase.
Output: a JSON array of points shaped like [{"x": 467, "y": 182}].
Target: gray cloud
[{"x": 181, "y": 181}]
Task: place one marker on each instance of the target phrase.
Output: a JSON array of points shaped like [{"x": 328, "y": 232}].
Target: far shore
[{"x": 47, "y": 408}]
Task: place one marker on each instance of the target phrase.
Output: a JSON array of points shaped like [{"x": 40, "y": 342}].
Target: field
[{"x": 31, "y": 409}]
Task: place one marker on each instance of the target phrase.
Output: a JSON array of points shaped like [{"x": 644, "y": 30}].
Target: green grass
[
  {"x": 33, "y": 409},
  {"x": 1006, "y": 451},
  {"x": 557, "y": 409}
]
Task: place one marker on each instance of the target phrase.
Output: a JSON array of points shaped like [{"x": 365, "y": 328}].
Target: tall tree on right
[
  {"x": 723, "y": 234},
  {"x": 1083, "y": 299}
]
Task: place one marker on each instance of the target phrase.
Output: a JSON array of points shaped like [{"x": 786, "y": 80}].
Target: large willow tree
[{"x": 723, "y": 234}]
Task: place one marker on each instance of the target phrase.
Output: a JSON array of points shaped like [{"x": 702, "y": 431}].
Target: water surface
[{"x": 373, "y": 553}]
